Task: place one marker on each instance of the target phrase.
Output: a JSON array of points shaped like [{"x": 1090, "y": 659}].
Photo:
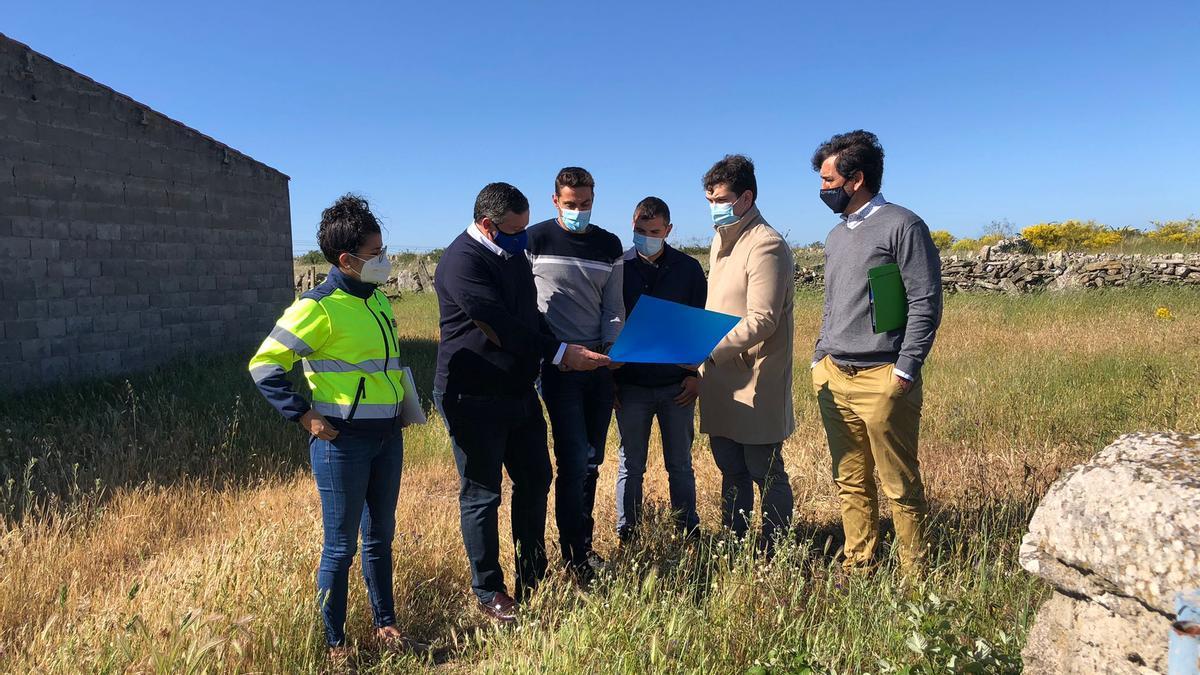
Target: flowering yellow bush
[
  {"x": 942, "y": 239},
  {"x": 965, "y": 246},
  {"x": 1072, "y": 235},
  {"x": 1164, "y": 313},
  {"x": 1185, "y": 232},
  {"x": 1103, "y": 239}
]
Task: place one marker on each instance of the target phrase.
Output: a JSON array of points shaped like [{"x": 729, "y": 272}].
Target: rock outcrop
[{"x": 1117, "y": 538}]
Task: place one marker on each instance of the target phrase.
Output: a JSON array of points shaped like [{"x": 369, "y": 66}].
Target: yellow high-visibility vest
[{"x": 349, "y": 351}]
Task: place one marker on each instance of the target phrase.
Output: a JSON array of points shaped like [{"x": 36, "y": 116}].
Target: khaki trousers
[{"x": 872, "y": 425}]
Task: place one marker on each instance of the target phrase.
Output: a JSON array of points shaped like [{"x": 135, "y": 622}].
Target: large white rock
[{"x": 1117, "y": 538}]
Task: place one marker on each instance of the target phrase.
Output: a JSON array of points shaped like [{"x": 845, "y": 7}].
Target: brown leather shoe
[{"x": 502, "y": 609}]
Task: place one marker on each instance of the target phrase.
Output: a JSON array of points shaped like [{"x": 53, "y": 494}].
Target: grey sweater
[
  {"x": 578, "y": 279},
  {"x": 891, "y": 234}
]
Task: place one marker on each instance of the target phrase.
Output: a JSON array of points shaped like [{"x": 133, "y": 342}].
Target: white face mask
[{"x": 376, "y": 270}]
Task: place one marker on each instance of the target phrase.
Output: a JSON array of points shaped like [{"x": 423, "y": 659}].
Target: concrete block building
[{"x": 126, "y": 237}]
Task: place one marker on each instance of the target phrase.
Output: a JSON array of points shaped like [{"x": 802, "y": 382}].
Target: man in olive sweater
[{"x": 869, "y": 384}]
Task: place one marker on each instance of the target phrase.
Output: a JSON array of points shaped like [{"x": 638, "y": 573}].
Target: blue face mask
[
  {"x": 722, "y": 214},
  {"x": 576, "y": 221},
  {"x": 511, "y": 244},
  {"x": 647, "y": 246}
]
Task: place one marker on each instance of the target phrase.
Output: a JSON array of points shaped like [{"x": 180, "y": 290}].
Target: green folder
[{"x": 889, "y": 300}]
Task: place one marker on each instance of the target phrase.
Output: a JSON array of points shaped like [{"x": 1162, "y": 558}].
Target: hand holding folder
[{"x": 889, "y": 299}]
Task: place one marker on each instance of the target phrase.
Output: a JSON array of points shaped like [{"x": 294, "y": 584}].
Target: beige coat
[{"x": 746, "y": 385}]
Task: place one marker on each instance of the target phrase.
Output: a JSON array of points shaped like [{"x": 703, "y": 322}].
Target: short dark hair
[
  {"x": 344, "y": 226},
  {"x": 497, "y": 199},
  {"x": 736, "y": 171},
  {"x": 573, "y": 177},
  {"x": 652, "y": 207},
  {"x": 856, "y": 151}
]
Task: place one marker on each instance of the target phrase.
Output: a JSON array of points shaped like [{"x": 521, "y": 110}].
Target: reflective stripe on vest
[
  {"x": 364, "y": 411},
  {"x": 288, "y": 339},
  {"x": 262, "y": 372},
  {"x": 370, "y": 366}
]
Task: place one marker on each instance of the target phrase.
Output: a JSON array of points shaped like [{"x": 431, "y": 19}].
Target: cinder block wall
[{"x": 126, "y": 238}]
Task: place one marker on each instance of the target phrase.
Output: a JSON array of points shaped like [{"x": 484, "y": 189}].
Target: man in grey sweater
[
  {"x": 578, "y": 271},
  {"x": 869, "y": 384}
]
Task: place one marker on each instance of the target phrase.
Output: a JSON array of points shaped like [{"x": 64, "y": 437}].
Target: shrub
[
  {"x": 1072, "y": 235},
  {"x": 311, "y": 258},
  {"x": 965, "y": 246},
  {"x": 1178, "y": 232},
  {"x": 942, "y": 239},
  {"x": 1000, "y": 229}
]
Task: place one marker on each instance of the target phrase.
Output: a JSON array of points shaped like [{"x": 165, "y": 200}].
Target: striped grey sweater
[{"x": 578, "y": 279}]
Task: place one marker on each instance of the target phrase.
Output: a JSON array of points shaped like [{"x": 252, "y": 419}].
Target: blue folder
[{"x": 660, "y": 331}]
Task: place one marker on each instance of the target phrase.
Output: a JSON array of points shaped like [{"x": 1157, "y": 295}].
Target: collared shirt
[
  {"x": 474, "y": 233},
  {"x": 855, "y": 219},
  {"x": 865, "y": 211}
]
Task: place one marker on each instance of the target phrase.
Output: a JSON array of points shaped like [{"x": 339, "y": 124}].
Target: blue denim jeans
[
  {"x": 639, "y": 407},
  {"x": 580, "y": 407},
  {"x": 743, "y": 466},
  {"x": 488, "y": 435},
  {"x": 358, "y": 478}
]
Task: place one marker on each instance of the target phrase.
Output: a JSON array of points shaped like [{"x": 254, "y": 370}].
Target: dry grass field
[{"x": 169, "y": 524}]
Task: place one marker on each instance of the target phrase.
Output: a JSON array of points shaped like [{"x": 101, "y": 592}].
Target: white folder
[{"x": 410, "y": 408}]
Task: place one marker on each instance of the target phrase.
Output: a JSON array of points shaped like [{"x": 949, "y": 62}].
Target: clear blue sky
[{"x": 1026, "y": 111}]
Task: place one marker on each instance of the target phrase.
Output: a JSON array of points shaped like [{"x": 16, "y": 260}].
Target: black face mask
[{"x": 836, "y": 199}]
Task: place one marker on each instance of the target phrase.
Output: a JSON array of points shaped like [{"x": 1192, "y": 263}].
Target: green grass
[{"x": 167, "y": 522}]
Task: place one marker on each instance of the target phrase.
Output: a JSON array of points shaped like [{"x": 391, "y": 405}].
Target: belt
[
  {"x": 852, "y": 370},
  {"x": 846, "y": 368}
]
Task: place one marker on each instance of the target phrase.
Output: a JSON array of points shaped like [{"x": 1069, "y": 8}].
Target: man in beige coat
[{"x": 746, "y": 383}]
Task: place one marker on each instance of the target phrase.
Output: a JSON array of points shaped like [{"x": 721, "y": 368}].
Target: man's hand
[
  {"x": 318, "y": 426},
  {"x": 577, "y": 357},
  {"x": 689, "y": 391},
  {"x": 905, "y": 385}
]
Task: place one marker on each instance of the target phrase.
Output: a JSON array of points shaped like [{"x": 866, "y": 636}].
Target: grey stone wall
[
  {"x": 1020, "y": 273},
  {"x": 126, "y": 237}
]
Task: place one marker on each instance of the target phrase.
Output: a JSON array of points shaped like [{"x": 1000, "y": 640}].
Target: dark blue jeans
[
  {"x": 353, "y": 472},
  {"x": 488, "y": 434},
  {"x": 580, "y": 407},
  {"x": 744, "y": 466},
  {"x": 639, "y": 407}
]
